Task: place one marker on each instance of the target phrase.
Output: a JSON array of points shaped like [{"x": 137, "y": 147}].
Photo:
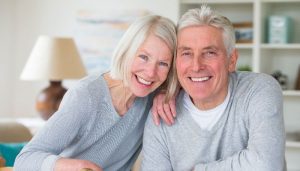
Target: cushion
[
  {"x": 12, "y": 131},
  {"x": 9, "y": 151}
]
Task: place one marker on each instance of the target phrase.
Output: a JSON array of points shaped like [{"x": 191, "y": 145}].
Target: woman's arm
[
  {"x": 163, "y": 110},
  {"x": 65, "y": 127},
  {"x": 64, "y": 164}
]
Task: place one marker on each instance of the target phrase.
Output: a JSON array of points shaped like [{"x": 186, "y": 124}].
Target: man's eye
[
  {"x": 164, "y": 64},
  {"x": 186, "y": 53},
  {"x": 210, "y": 54},
  {"x": 144, "y": 57}
]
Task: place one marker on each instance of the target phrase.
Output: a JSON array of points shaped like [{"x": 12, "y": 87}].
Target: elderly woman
[{"x": 100, "y": 122}]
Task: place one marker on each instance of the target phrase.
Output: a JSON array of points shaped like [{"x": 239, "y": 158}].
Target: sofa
[
  {"x": 14, "y": 132},
  {"x": 13, "y": 136}
]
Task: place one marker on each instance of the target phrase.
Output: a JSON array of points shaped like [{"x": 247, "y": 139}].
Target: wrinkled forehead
[{"x": 203, "y": 35}]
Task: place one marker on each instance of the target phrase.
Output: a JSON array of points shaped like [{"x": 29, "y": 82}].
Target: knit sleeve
[
  {"x": 155, "y": 155},
  {"x": 62, "y": 129},
  {"x": 266, "y": 143}
]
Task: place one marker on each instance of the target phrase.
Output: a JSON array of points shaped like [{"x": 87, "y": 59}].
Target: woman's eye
[{"x": 144, "y": 57}]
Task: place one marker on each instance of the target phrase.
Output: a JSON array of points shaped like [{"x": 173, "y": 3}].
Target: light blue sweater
[
  {"x": 249, "y": 135},
  {"x": 86, "y": 126}
]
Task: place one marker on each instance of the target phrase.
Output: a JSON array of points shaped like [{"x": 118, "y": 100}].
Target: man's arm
[
  {"x": 266, "y": 143},
  {"x": 155, "y": 155}
]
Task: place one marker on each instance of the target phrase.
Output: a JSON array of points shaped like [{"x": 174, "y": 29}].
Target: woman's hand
[
  {"x": 65, "y": 164},
  {"x": 165, "y": 111}
]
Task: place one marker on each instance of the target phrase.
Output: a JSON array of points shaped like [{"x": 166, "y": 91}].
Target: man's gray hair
[{"x": 206, "y": 16}]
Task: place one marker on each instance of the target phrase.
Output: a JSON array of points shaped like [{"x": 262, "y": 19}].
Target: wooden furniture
[
  {"x": 48, "y": 100},
  {"x": 6, "y": 168},
  {"x": 2, "y": 161},
  {"x": 265, "y": 57},
  {"x": 137, "y": 164}
]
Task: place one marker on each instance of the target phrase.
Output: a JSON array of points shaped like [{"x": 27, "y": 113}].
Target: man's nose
[{"x": 197, "y": 64}]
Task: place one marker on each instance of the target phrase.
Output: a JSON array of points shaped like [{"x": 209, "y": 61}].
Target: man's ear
[{"x": 233, "y": 60}]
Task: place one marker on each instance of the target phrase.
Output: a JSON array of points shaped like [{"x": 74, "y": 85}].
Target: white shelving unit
[{"x": 265, "y": 57}]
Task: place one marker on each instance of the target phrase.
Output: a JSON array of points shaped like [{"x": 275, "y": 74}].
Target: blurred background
[{"x": 22, "y": 22}]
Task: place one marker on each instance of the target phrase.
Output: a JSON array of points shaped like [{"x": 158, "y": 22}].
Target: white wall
[
  {"x": 7, "y": 69},
  {"x": 26, "y": 20}
]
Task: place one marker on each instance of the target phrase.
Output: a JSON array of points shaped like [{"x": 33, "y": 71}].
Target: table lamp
[{"x": 53, "y": 59}]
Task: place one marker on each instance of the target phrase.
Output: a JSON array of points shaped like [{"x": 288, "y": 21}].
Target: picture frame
[
  {"x": 297, "y": 85},
  {"x": 97, "y": 33},
  {"x": 243, "y": 32}
]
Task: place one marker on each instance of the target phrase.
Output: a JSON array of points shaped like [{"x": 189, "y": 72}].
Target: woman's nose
[{"x": 151, "y": 70}]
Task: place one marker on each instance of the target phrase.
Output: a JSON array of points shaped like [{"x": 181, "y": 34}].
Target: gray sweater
[
  {"x": 86, "y": 126},
  {"x": 249, "y": 135}
]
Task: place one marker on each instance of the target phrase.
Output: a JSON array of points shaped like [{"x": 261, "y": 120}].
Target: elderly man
[{"x": 226, "y": 120}]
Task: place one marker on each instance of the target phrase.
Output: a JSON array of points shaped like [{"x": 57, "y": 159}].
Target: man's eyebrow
[
  {"x": 180, "y": 48},
  {"x": 183, "y": 48},
  {"x": 211, "y": 48}
]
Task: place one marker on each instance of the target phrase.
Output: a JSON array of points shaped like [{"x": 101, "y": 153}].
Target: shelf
[
  {"x": 234, "y": 1},
  {"x": 244, "y": 45},
  {"x": 291, "y": 93},
  {"x": 216, "y": 1},
  {"x": 293, "y": 140},
  {"x": 281, "y": 46},
  {"x": 292, "y": 144},
  {"x": 279, "y": 1}
]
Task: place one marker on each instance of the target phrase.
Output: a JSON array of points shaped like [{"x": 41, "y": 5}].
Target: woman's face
[{"x": 150, "y": 66}]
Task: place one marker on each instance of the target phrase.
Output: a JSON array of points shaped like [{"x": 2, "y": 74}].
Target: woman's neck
[{"x": 122, "y": 96}]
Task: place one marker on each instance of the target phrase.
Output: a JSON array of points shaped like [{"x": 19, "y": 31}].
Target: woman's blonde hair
[{"x": 134, "y": 37}]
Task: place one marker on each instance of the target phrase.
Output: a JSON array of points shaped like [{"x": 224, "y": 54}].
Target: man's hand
[
  {"x": 65, "y": 164},
  {"x": 165, "y": 111}
]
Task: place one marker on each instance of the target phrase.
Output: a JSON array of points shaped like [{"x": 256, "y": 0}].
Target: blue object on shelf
[{"x": 279, "y": 29}]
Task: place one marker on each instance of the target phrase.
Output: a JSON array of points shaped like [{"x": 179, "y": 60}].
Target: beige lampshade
[{"x": 53, "y": 58}]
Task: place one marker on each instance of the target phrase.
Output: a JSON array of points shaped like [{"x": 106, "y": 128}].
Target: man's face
[{"x": 203, "y": 66}]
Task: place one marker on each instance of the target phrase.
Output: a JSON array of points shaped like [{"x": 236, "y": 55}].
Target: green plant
[{"x": 244, "y": 68}]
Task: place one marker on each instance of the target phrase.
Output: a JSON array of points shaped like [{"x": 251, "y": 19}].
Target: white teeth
[
  {"x": 144, "y": 81},
  {"x": 199, "y": 79}
]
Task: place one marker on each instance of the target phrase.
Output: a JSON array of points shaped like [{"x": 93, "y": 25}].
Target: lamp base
[{"x": 48, "y": 100}]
